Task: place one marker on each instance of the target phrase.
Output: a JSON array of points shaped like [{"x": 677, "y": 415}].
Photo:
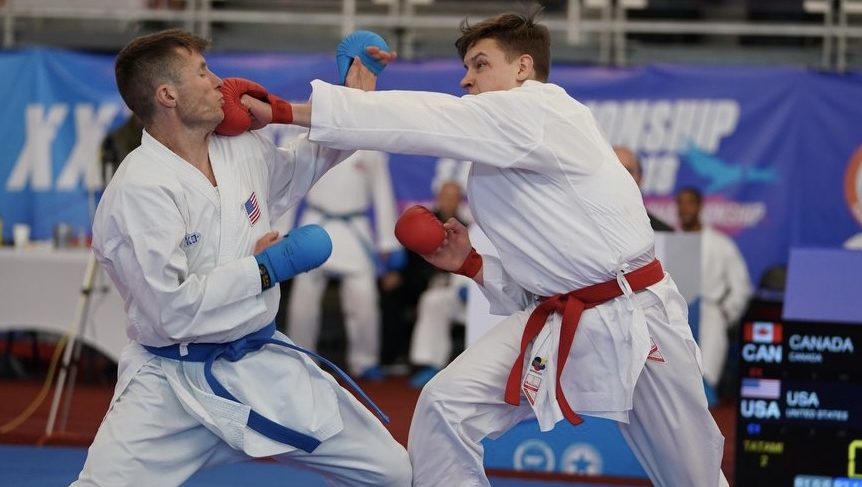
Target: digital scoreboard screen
[{"x": 799, "y": 417}]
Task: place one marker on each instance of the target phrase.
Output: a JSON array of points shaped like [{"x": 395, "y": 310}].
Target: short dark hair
[
  {"x": 698, "y": 196},
  {"x": 516, "y": 34},
  {"x": 148, "y": 61}
]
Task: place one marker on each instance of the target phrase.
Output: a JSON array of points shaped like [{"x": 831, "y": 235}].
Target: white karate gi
[
  {"x": 564, "y": 214},
  {"x": 440, "y": 306},
  {"x": 179, "y": 251},
  {"x": 725, "y": 290},
  {"x": 340, "y": 203}
]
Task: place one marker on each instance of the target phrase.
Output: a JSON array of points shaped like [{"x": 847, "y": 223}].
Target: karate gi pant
[
  {"x": 670, "y": 429},
  {"x": 359, "y": 303},
  {"x": 147, "y": 439},
  {"x": 713, "y": 341},
  {"x": 431, "y": 343}
]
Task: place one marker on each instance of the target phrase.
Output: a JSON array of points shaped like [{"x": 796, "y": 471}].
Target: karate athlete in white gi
[
  {"x": 572, "y": 233},
  {"x": 340, "y": 203},
  {"x": 725, "y": 284},
  {"x": 443, "y": 302},
  {"x": 183, "y": 231},
  {"x": 440, "y": 306}
]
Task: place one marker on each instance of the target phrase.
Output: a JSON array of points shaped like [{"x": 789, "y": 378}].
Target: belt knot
[
  {"x": 570, "y": 305},
  {"x": 237, "y": 349}
]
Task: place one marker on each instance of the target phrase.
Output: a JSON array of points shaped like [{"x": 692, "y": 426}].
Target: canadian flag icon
[{"x": 762, "y": 332}]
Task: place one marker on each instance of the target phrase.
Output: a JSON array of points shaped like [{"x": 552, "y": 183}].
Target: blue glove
[
  {"x": 354, "y": 45},
  {"x": 301, "y": 250},
  {"x": 397, "y": 260}
]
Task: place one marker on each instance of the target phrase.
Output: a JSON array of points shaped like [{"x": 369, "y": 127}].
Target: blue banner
[
  {"x": 776, "y": 151},
  {"x": 593, "y": 448}
]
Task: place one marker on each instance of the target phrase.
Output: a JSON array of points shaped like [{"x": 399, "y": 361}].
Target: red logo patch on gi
[
  {"x": 531, "y": 386},
  {"x": 252, "y": 208},
  {"x": 762, "y": 332},
  {"x": 533, "y": 379},
  {"x": 654, "y": 353}
]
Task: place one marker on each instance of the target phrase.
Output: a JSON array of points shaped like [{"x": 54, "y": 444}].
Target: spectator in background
[
  {"x": 441, "y": 305},
  {"x": 402, "y": 289},
  {"x": 725, "y": 288},
  {"x": 399, "y": 294},
  {"x": 632, "y": 164},
  {"x": 340, "y": 202},
  {"x": 120, "y": 142}
]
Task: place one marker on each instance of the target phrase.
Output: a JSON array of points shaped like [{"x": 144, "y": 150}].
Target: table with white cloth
[{"x": 40, "y": 290}]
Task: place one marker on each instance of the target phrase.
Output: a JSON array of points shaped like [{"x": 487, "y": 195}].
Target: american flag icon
[
  {"x": 252, "y": 208},
  {"x": 760, "y": 388}
]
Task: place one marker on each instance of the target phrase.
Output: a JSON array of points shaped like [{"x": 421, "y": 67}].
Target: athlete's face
[
  {"x": 199, "y": 97},
  {"x": 688, "y": 210},
  {"x": 489, "y": 70},
  {"x": 449, "y": 198}
]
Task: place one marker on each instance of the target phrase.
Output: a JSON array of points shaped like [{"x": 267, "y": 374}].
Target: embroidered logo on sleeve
[
  {"x": 654, "y": 354},
  {"x": 252, "y": 208},
  {"x": 533, "y": 380}
]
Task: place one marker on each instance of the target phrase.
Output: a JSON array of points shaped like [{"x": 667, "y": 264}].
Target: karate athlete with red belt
[
  {"x": 595, "y": 327},
  {"x": 183, "y": 229}
]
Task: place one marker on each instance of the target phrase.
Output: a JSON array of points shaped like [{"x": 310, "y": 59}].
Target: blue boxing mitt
[
  {"x": 299, "y": 251},
  {"x": 354, "y": 45}
]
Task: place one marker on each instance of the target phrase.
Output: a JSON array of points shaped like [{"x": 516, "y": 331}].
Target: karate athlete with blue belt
[
  {"x": 341, "y": 203},
  {"x": 183, "y": 229},
  {"x": 594, "y": 325}
]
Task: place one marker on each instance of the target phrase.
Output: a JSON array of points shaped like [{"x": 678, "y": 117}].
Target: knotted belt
[
  {"x": 235, "y": 350},
  {"x": 346, "y": 218},
  {"x": 570, "y": 305}
]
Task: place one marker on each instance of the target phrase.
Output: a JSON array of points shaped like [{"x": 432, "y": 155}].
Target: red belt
[{"x": 571, "y": 305}]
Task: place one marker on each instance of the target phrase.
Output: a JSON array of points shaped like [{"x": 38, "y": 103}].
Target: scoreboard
[{"x": 799, "y": 417}]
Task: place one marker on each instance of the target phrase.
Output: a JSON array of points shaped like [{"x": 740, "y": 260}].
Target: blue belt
[{"x": 235, "y": 350}]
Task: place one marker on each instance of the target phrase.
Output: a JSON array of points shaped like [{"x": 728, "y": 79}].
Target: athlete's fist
[
  {"x": 240, "y": 117},
  {"x": 236, "y": 116},
  {"x": 419, "y": 230},
  {"x": 299, "y": 251}
]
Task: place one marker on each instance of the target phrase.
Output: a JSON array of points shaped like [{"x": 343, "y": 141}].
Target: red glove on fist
[
  {"x": 236, "y": 116},
  {"x": 419, "y": 230},
  {"x": 282, "y": 111}
]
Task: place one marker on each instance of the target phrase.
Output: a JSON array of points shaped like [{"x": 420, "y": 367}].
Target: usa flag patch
[{"x": 252, "y": 208}]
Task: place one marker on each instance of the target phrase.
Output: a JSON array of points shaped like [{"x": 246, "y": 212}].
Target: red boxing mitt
[
  {"x": 282, "y": 111},
  {"x": 236, "y": 117},
  {"x": 419, "y": 230}
]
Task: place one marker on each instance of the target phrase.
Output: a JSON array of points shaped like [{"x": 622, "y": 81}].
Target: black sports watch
[{"x": 265, "y": 280}]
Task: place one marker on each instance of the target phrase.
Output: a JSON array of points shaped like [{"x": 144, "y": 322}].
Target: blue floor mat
[{"x": 32, "y": 466}]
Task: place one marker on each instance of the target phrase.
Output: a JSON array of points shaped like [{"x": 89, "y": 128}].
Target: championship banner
[{"x": 777, "y": 152}]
